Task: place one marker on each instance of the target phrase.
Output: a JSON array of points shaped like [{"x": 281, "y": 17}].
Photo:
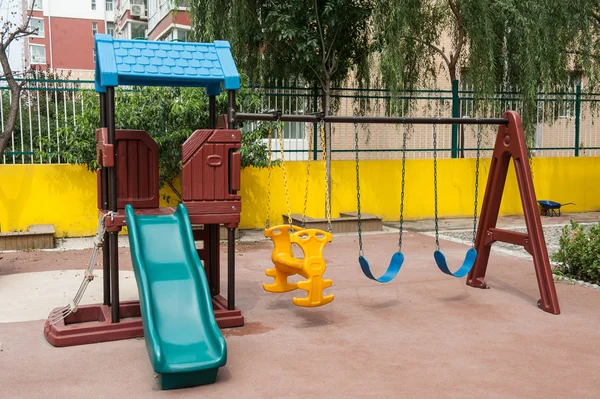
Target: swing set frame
[{"x": 510, "y": 144}]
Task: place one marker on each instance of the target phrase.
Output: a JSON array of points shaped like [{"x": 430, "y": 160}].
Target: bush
[
  {"x": 579, "y": 253},
  {"x": 169, "y": 115},
  {"x": 255, "y": 151}
]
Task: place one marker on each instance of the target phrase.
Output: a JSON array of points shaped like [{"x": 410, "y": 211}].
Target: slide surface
[{"x": 183, "y": 340}]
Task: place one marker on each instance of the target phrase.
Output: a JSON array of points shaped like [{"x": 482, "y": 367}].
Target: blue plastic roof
[{"x": 156, "y": 63}]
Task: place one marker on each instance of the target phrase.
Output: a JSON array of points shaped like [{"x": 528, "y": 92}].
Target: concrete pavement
[{"x": 423, "y": 335}]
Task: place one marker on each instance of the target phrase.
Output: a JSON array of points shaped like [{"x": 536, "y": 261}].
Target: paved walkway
[
  {"x": 28, "y": 296},
  {"x": 424, "y": 335}
]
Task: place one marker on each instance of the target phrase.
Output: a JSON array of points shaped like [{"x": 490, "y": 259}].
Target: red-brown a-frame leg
[{"x": 510, "y": 143}]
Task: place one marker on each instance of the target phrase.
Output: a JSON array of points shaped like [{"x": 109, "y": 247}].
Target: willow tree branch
[
  {"x": 584, "y": 53},
  {"x": 431, "y": 46}
]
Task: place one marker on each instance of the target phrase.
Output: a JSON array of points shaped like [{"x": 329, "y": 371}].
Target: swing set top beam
[{"x": 277, "y": 116}]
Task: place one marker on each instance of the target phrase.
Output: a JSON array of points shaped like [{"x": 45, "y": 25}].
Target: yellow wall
[
  {"x": 62, "y": 195},
  {"x": 558, "y": 179},
  {"x": 65, "y": 195}
]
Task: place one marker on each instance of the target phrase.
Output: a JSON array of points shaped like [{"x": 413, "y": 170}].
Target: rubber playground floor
[{"x": 424, "y": 335}]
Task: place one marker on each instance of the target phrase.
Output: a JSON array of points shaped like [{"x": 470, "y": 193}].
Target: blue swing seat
[
  {"x": 391, "y": 272},
  {"x": 466, "y": 267}
]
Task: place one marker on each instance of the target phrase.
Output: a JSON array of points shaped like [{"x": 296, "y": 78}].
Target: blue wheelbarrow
[{"x": 551, "y": 208}]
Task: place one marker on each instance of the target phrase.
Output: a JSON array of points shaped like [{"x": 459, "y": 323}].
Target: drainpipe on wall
[
  {"x": 25, "y": 59},
  {"x": 50, "y": 35}
]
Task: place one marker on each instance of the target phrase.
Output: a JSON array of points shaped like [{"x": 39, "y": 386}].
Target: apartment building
[
  {"x": 152, "y": 19},
  {"x": 168, "y": 22},
  {"x": 11, "y": 12},
  {"x": 131, "y": 19},
  {"x": 65, "y": 29}
]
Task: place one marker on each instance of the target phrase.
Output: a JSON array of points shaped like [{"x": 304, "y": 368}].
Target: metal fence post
[
  {"x": 315, "y": 126},
  {"x": 455, "y": 114},
  {"x": 577, "y": 117}
]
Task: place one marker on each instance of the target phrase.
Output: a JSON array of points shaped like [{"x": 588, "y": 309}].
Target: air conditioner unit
[{"x": 138, "y": 10}]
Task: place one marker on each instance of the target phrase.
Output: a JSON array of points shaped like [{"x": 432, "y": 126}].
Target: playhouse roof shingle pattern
[
  {"x": 143, "y": 62},
  {"x": 159, "y": 58}
]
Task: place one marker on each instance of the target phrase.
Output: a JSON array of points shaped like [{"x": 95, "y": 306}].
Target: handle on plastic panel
[
  {"x": 307, "y": 234},
  {"x": 214, "y": 160}
]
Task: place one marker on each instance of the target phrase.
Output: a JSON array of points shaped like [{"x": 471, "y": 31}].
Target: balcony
[{"x": 138, "y": 9}]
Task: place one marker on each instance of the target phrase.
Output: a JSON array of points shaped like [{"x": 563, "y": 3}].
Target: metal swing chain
[
  {"x": 435, "y": 192},
  {"x": 327, "y": 199},
  {"x": 269, "y": 169},
  {"x": 360, "y": 243},
  {"x": 404, "y": 138},
  {"x": 285, "y": 183},
  {"x": 477, "y": 157},
  {"x": 306, "y": 184}
]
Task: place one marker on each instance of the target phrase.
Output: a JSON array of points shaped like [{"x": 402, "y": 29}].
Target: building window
[
  {"x": 94, "y": 55},
  {"x": 109, "y": 5},
  {"x": 169, "y": 36},
  {"x": 175, "y": 35},
  {"x": 37, "y": 26},
  {"x": 37, "y": 54},
  {"x": 182, "y": 35},
  {"x": 93, "y": 4},
  {"x": 94, "y": 28},
  {"x": 35, "y": 5},
  {"x": 138, "y": 31},
  {"x": 110, "y": 28}
]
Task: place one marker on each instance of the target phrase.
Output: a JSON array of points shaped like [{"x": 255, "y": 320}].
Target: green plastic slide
[{"x": 183, "y": 340}]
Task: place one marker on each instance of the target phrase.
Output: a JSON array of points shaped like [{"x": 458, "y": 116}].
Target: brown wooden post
[{"x": 510, "y": 143}]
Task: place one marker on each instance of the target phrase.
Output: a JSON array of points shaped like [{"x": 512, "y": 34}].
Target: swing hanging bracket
[{"x": 277, "y": 115}]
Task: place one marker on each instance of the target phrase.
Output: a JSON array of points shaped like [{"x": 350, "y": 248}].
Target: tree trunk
[
  {"x": 15, "y": 92},
  {"x": 10, "y": 32},
  {"x": 326, "y": 106},
  {"x": 452, "y": 72},
  {"x": 11, "y": 120}
]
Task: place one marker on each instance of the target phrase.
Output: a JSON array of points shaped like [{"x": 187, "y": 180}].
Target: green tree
[
  {"x": 522, "y": 45},
  {"x": 588, "y": 51},
  {"x": 315, "y": 41},
  {"x": 11, "y": 32}
]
